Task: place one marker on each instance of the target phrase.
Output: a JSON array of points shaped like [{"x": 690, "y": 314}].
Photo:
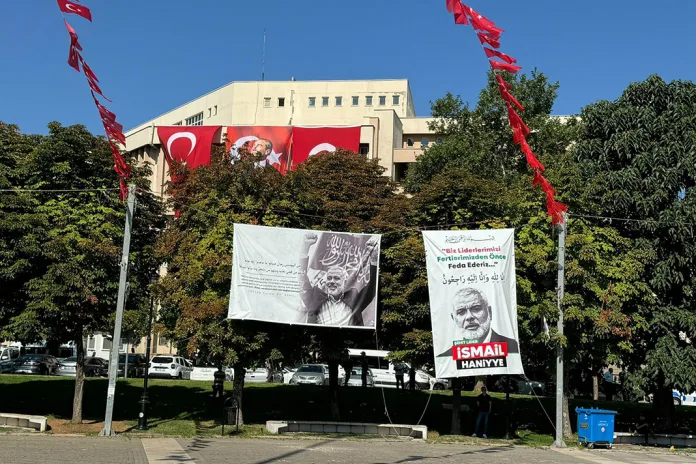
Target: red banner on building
[
  {"x": 190, "y": 145},
  {"x": 309, "y": 141},
  {"x": 272, "y": 141}
]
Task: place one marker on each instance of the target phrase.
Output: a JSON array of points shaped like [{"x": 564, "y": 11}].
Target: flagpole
[
  {"x": 559, "y": 443},
  {"x": 120, "y": 303}
]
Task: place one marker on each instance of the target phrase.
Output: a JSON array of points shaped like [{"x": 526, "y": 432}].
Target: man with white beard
[
  {"x": 473, "y": 316},
  {"x": 331, "y": 302}
]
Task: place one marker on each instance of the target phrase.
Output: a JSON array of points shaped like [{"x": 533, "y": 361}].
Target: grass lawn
[{"x": 186, "y": 408}]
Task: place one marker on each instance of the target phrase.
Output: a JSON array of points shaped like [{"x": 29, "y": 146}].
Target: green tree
[
  {"x": 74, "y": 278},
  {"x": 638, "y": 154},
  {"x": 197, "y": 248}
]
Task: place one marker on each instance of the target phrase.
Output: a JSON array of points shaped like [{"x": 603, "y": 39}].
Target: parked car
[
  {"x": 173, "y": 367},
  {"x": 683, "y": 399},
  {"x": 288, "y": 372},
  {"x": 440, "y": 384},
  {"x": 311, "y": 374},
  {"x": 383, "y": 370},
  {"x": 136, "y": 364},
  {"x": 94, "y": 367},
  {"x": 258, "y": 375},
  {"x": 8, "y": 354},
  {"x": 531, "y": 387},
  {"x": 355, "y": 379},
  {"x": 41, "y": 364}
]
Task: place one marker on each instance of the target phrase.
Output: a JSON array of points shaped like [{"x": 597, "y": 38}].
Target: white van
[
  {"x": 681, "y": 399},
  {"x": 383, "y": 371}
]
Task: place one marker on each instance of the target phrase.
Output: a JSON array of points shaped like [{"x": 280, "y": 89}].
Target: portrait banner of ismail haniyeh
[
  {"x": 304, "y": 277},
  {"x": 473, "y": 302}
]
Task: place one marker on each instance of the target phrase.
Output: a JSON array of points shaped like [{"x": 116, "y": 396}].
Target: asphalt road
[{"x": 16, "y": 449}]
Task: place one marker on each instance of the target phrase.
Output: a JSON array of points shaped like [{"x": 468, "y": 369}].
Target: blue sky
[{"x": 154, "y": 55}]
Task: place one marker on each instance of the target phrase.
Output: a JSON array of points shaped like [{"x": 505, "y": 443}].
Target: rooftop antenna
[{"x": 263, "y": 64}]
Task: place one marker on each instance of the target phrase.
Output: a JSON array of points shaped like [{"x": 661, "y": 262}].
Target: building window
[
  {"x": 409, "y": 142},
  {"x": 339, "y": 101},
  {"x": 177, "y": 123},
  {"x": 312, "y": 102},
  {"x": 395, "y": 99},
  {"x": 106, "y": 344},
  {"x": 364, "y": 149},
  {"x": 210, "y": 112},
  {"x": 281, "y": 102},
  {"x": 439, "y": 140},
  {"x": 195, "y": 120},
  {"x": 324, "y": 101},
  {"x": 424, "y": 143},
  {"x": 163, "y": 341},
  {"x": 90, "y": 343},
  {"x": 266, "y": 102},
  {"x": 368, "y": 101},
  {"x": 382, "y": 100},
  {"x": 356, "y": 101},
  {"x": 215, "y": 110}
]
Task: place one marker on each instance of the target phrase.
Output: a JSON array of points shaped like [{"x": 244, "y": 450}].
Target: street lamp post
[{"x": 142, "y": 417}]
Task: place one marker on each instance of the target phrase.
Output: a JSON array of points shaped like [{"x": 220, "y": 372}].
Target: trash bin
[
  {"x": 595, "y": 426},
  {"x": 229, "y": 414}
]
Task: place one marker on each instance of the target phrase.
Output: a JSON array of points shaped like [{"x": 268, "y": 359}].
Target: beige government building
[{"x": 384, "y": 109}]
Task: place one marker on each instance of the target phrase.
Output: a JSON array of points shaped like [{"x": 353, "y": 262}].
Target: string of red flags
[
  {"x": 113, "y": 129},
  {"x": 489, "y": 36}
]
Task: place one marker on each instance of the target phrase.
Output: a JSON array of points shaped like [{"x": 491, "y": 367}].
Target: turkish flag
[
  {"x": 103, "y": 110},
  {"x": 495, "y": 53},
  {"x": 272, "y": 141},
  {"x": 481, "y": 23},
  {"x": 451, "y": 4},
  {"x": 488, "y": 39},
  {"x": 498, "y": 66},
  {"x": 95, "y": 88},
  {"x": 74, "y": 58},
  {"x": 505, "y": 94},
  {"x": 309, "y": 141},
  {"x": 189, "y": 145},
  {"x": 519, "y": 128},
  {"x": 73, "y": 36},
  {"x": 88, "y": 71},
  {"x": 69, "y": 7},
  {"x": 114, "y": 134},
  {"x": 459, "y": 14}
]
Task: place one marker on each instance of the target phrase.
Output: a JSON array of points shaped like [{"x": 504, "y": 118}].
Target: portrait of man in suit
[
  {"x": 472, "y": 316},
  {"x": 333, "y": 299}
]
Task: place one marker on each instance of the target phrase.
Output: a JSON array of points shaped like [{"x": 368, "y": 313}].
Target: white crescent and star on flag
[{"x": 182, "y": 135}]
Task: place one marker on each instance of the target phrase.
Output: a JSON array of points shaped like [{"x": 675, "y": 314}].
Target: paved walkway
[{"x": 23, "y": 449}]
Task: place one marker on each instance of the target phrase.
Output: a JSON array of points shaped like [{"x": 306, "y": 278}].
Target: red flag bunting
[
  {"x": 114, "y": 134},
  {"x": 519, "y": 128},
  {"x": 93, "y": 85},
  {"x": 488, "y": 39},
  {"x": 69, "y": 7},
  {"x": 124, "y": 188},
  {"x": 103, "y": 110},
  {"x": 459, "y": 14},
  {"x": 532, "y": 160},
  {"x": 505, "y": 89},
  {"x": 73, "y": 36},
  {"x": 498, "y": 66},
  {"x": 481, "y": 23},
  {"x": 74, "y": 58},
  {"x": 495, "y": 53},
  {"x": 451, "y": 4},
  {"x": 88, "y": 71}
]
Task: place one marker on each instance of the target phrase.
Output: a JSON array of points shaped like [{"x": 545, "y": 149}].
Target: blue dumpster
[{"x": 595, "y": 426}]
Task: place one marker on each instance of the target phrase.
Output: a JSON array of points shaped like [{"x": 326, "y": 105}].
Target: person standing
[
  {"x": 609, "y": 384},
  {"x": 485, "y": 405},
  {"x": 218, "y": 382},
  {"x": 399, "y": 371},
  {"x": 364, "y": 368}
]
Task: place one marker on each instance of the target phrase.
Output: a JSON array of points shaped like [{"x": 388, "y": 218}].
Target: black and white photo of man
[
  {"x": 472, "y": 316},
  {"x": 332, "y": 300}
]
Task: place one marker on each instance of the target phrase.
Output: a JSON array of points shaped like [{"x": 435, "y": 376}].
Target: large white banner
[
  {"x": 305, "y": 277},
  {"x": 473, "y": 304}
]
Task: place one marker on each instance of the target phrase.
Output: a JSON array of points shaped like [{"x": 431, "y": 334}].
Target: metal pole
[
  {"x": 120, "y": 303},
  {"x": 508, "y": 432},
  {"x": 125, "y": 367},
  {"x": 559, "y": 443},
  {"x": 142, "y": 417}
]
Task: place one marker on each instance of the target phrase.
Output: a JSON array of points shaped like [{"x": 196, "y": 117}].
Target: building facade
[{"x": 390, "y": 130}]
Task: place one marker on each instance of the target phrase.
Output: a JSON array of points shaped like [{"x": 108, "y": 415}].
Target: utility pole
[
  {"x": 120, "y": 303},
  {"x": 144, "y": 401},
  {"x": 263, "y": 61},
  {"x": 559, "y": 443}
]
